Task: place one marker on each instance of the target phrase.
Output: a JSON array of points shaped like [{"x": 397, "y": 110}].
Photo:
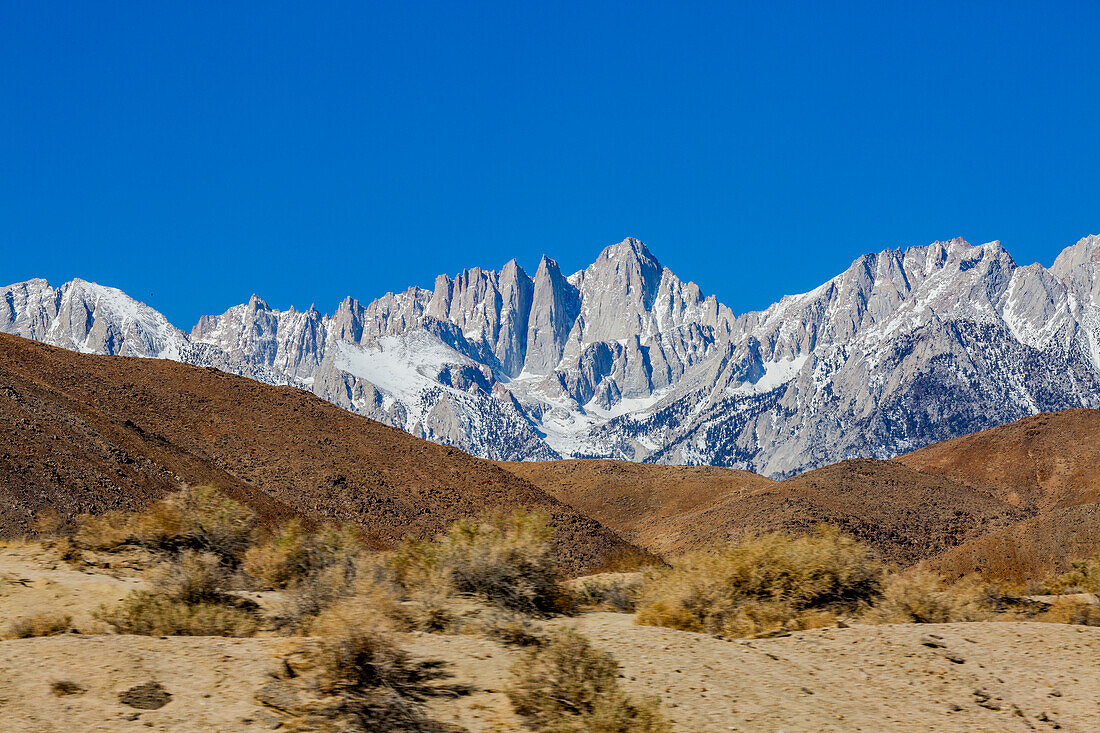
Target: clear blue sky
[{"x": 193, "y": 153}]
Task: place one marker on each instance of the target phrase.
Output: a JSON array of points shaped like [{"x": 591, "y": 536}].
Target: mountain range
[
  {"x": 88, "y": 433},
  {"x": 624, "y": 360}
]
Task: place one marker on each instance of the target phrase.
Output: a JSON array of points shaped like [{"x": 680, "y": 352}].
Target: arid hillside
[
  {"x": 905, "y": 514},
  {"x": 1046, "y": 460},
  {"x": 1030, "y": 549},
  {"x": 651, "y": 505},
  {"x": 85, "y": 433}
]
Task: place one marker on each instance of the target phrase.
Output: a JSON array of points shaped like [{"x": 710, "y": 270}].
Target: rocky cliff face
[{"x": 625, "y": 360}]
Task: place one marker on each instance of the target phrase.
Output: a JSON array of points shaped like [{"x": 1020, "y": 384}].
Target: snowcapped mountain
[{"x": 623, "y": 359}]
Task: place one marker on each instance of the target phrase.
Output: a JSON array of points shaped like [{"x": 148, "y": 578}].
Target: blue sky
[{"x": 193, "y": 153}]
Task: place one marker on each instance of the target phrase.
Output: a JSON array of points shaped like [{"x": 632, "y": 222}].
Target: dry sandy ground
[
  {"x": 951, "y": 677},
  {"x": 34, "y": 580},
  {"x": 975, "y": 677}
]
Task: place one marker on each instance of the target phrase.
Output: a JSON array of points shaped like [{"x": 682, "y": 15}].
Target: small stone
[
  {"x": 933, "y": 641},
  {"x": 278, "y": 695},
  {"x": 147, "y": 696}
]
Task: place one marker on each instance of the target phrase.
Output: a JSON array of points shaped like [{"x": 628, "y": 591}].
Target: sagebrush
[
  {"x": 189, "y": 595},
  {"x": 565, "y": 685},
  {"x": 196, "y": 518},
  {"x": 923, "y": 597},
  {"x": 1083, "y": 577},
  {"x": 764, "y": 583},
  {"x": 353, "y": 676},
  {"x": 506, "y": 560}
]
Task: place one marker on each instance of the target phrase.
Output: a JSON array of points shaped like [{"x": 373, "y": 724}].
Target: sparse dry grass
[
  {"x": 40, "y": 624},
  {"x": 565, "y": 685},
  {"x": 764, "y": 584}
]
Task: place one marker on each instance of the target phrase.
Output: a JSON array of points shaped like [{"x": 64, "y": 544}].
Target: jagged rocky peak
[
  {"x": 554, "y": 307},
  {"x": 254, "y": 333},
  {"x": 89, "y": 317},
  {"x": 1078, "y": 266},
  {"x": 618, "y": 291},
  {"x": 28, "y": 308}
]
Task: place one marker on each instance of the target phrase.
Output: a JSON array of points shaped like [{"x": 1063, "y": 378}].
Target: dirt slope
[
  {"x": 1046, "y": 460},
  {"x": 84, "y": 433},
  {"x": 651, "y": 505},
  {"x": 1031, "y": 549},
  {"x": 905, "y": 514},
  {"x": 1049, "y": 462}
]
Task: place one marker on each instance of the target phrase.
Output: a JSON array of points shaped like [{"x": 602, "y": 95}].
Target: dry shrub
[
  {"x": 763, "y": 584},
  {"x": 1084, "y": 577},
  {"x": 356, "y": 678},
  {"x": 40, "y": 624},
  {"x": 508, "y": 627},
  {"x": 193, "y": 577},
  {"x": 309, "y": 596},
  {"x": 197, "y": 518},
  {"x": 103, "y": 531},
  {"x": 505, "y": 560},
  {"x": 449, "y": 584},
  {"x": 148, "y": 614},
  {"x": 629, "y": 560},
  {"x": 565, "y": 685},
  {"x": 617, "y": 592},
  {"x": 922, "y": 597},
  {"x": 188, "y": 597},
  {"x": 48, "y": 522},
  {"x": 1071, "y": 611},
  {"x": 293, "y": 554}
]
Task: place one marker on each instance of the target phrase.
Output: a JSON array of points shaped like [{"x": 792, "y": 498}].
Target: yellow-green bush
[
  {"x": 197, "y": 518},
  {"x": 146, "y": 613},
  {"x": 505, "y": 560},
  {"x": 1083, "y": 577},
  {"x": 922, "y": 597},
  {"x": 762, "y": 584},
  {"x": 188, "y": 597},
  {"x": 292, "y": 554},
  {"x": 564, "y": 685}
]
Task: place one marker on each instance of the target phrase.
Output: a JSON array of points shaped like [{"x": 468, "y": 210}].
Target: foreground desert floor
[
  {"x": 952, "y": 677},
  {"x": 984, "y": 677}
]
